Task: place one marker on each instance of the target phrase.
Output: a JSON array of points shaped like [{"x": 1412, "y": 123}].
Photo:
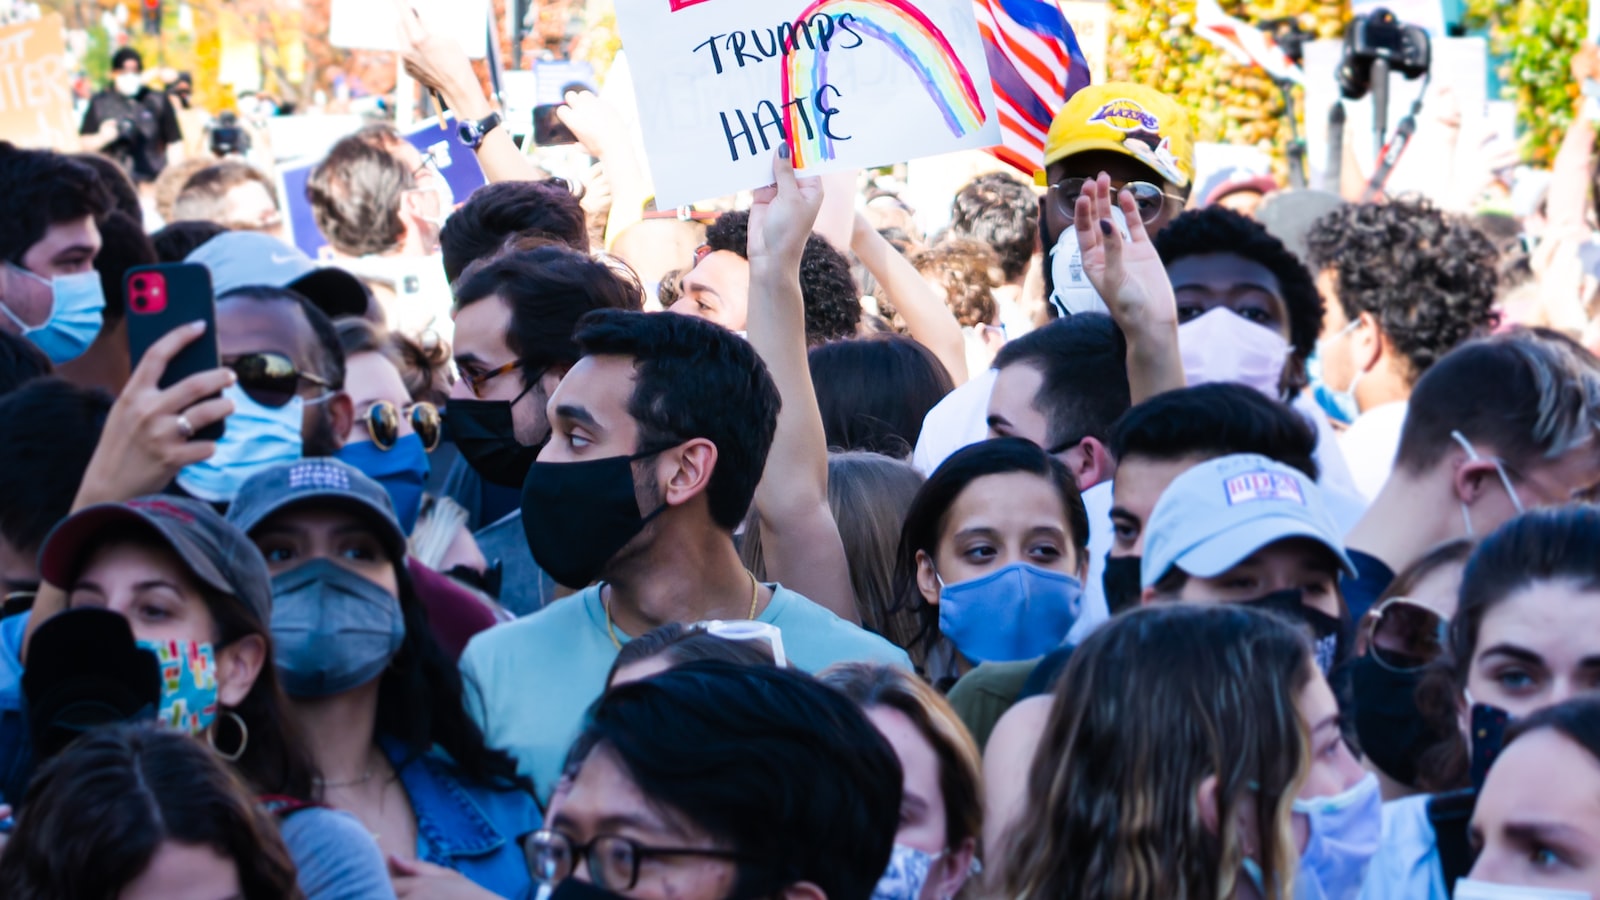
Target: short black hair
[
  {"x": 175, "y": 242},
  {"x": 755, "y": 755},
  {"x": 695, "y": 379},
  {"x": 121, "y": 57},
  {"x": 874, "y": 392},
  {"x": 1217, "y": 229},
  {"x": 831, "y": 297},
  {"x": 20, "y": 362},
  {"x": 549, "y": 289},
  {"x": 1002, "y": 212},
  {"x": 41, "y": 465},
  {"x": 114, "y": 180},
  {"x": 507, "y": 209},
  {"x": 355, "y": 194},
  {"x": 1084, "y": 362},
  {"x": 328, "y": 351},
  {"x": 1429, "y": 279},
  {"x": 1213, "y": 420},
  {"x": 39, "y": 189},
  {"x": 123, "y": 245}
]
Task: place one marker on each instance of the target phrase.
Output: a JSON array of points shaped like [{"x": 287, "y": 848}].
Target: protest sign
[
  {"x": 375, "y": 24},
  {"x": 35, "y": 99},
  {"x": 845, "y": 83}
]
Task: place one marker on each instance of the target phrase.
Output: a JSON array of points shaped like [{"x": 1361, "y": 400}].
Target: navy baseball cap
[
  {"x": 327, "y": 481},
  {"x": 248, "y": 258}
]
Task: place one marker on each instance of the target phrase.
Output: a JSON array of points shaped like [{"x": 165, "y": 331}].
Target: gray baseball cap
[
  {"x": 326, "y": 481},
  {"x": 216, "y": 553},
  {"x": 248, "y": 258},
  {"x": 1210, "y": 518}
]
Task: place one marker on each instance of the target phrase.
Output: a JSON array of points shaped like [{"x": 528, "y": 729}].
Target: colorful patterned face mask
[{"x": 188, "y": 684}]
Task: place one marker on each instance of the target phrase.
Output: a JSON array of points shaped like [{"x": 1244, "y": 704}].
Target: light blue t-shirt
[
  {"x": 1406, "y": 866},
  {"x": 536, "y": 677}
]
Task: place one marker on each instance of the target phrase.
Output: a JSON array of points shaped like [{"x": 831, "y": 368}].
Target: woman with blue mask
[
  {"x": 197, "y": 595},
  {"x": 996, "y": 545},
  {"x": 1523, "y": 638},
  {"x": 941, "y": 806},
  {"x": 381, "y": 705},
  {"x": 392, "y": 436}
]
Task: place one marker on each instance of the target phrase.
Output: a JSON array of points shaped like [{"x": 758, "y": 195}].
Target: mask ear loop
[{"x": 1499, "y": 469}]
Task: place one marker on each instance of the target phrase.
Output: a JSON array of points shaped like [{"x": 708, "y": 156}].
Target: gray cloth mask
[{"x": 334, "y": 630}]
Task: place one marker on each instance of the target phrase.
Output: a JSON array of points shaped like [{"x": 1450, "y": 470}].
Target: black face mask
[
  {"x": 1388, "y": 724},
  {"x": 1121, "y": 582},
  {"x": 578, "y": 515},
  {"x": 1327, "y": 633},
  {"x": 483, "y": 431},
  {"x": 572, "y": 889}
]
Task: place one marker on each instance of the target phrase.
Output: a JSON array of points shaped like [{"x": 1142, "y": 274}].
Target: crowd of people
[{"x": 1125, "y": 539}]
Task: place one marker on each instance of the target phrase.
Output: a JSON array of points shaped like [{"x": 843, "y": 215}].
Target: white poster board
[
  {"x": 375, "y": 24},
  {"x": 846, "y": 83}
]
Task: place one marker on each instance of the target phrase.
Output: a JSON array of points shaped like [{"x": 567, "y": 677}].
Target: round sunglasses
[
  {"x": 1402, "y": 635},
  {"x": 271, "y": 379},
  {"x": 382, "y": 420}
]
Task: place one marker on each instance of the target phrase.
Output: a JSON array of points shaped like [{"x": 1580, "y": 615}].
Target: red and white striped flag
[
  {"x": 1247, "y": 44},
  {"x": 1036, "y": 64}
]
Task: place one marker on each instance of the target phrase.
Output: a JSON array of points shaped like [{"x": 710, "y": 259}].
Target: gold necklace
[{"x": 611, "y": 632}]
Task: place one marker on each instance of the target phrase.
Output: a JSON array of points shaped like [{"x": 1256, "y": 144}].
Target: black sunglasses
[
  {"x": 383, "y": 424},
  {"x": 271, "y": 379}
]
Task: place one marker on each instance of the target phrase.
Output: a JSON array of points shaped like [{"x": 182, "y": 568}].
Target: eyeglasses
[
  {"x": 700, "y": 253},
  {"x": 613, "y": 860},
  {"x": 1149, "y": 198},
  {"x": 1402, "y": 635},
  {"x": 271, "y": 379},
  {"x": 383, "y": 424},
  {"x": 477, "y": 382}
]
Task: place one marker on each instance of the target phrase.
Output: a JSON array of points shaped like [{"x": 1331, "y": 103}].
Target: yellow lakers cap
[{"x": 1131, "y": 119}]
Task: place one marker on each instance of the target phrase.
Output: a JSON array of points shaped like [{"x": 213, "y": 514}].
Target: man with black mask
[
  {"x": 514, "y": 319},
  {"x": 131, "y": 123}
]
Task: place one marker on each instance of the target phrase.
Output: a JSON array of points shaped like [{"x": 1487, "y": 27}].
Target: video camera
[
  {"x": 228, "y": 136},
  {"x": 1380, "y": 36}
]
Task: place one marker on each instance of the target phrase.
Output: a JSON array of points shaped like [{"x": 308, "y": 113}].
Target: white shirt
[
  {"x": 1370, "y": 446},
  {"x": 1407, "y": 864}
]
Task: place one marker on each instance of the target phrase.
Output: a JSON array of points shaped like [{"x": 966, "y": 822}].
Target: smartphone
[
  {"x": 163, "y": 297},
  {"x": 548, "y": 130}
]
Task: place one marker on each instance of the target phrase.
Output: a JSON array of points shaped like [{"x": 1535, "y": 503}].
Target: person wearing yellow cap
[{"x": 1139, "y": 137}]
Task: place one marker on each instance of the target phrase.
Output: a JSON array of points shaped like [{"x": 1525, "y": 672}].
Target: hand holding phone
[{"x": 161, "y": 299}]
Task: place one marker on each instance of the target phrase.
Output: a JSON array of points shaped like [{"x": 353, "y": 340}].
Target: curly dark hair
[
  {"x": 998, "y": 210},
  {"x": 1217, "y": 229},
  {"x": 833, "y": 304},
  {"x": 961, "y": 266},
  {"x": 1429, "y": 279}
]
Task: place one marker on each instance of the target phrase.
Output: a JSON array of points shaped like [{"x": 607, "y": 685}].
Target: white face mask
[
  {"x": 1345, "y": 832},
  {"x": 1499, "y": 468},
  {"x": 1223, "y": 346},
  {"x": 1072, "y": 292},
  {"x": 1468, "y": 889},
  {"x": 127, "y": 83}
]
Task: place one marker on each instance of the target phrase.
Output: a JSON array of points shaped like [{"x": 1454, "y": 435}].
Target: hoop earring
[{"x": 244, "y": 736}]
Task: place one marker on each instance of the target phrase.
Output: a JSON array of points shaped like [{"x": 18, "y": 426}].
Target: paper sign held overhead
[
  {"x": 35, "y": 97},
  {"x": 375, "y": 24},
  {"x": 845, "y": 83}
]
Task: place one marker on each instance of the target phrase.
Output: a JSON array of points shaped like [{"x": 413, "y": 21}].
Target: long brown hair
[{"x": 1150, "y": 706}]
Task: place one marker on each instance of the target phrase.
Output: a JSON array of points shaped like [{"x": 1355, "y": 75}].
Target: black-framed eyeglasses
[
  {"x": 383, "y": 423},
  {"x": 271, "y": 379},
  {"x": 1149, "y": 198},
  {"x": 1403, "y": 635},
  {"x": 613, "y": 860}
]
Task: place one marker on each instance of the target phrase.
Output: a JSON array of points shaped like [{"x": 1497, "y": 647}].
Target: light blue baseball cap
[
  {"x": 1212, "y": 517},
  {"x": 239, "y": 259}
]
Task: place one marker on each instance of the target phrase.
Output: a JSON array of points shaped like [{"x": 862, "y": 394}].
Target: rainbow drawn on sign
[{"x": 912, "y": 37}]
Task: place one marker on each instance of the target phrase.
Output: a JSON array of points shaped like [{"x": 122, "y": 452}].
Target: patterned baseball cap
[{"x": 1136, "y": 121}]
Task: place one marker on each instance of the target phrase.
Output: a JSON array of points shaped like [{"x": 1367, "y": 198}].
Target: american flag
[{"x": 1036, "y": 64}]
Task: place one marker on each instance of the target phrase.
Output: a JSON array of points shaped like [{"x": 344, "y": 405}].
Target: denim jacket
[
  {"x": 16, "y": 747},
  {"x": 472, "y": 829}
]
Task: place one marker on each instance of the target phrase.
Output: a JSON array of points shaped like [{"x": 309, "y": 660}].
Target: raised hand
[
  {"x": 783, "y": 213},
  {"x": 1127, "y": 274}
]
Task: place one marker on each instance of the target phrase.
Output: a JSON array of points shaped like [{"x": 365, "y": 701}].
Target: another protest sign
[
  {"x": 845, "y": 83},
  {"x": 35, "y": 95},
  {"x": 375, "y": 24}
]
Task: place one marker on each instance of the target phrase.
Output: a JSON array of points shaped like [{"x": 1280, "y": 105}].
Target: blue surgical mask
[
  {"x": 1018, "y": 612},
  {"x": 402, "y": 470},
  {"x": 77, "y": 306},
  {"x": 255, "y": 439},
  {"x": 333, "y": 629},
  {"x": 1468, "y": 889},
  {"x": 1345, "y": 831}
]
